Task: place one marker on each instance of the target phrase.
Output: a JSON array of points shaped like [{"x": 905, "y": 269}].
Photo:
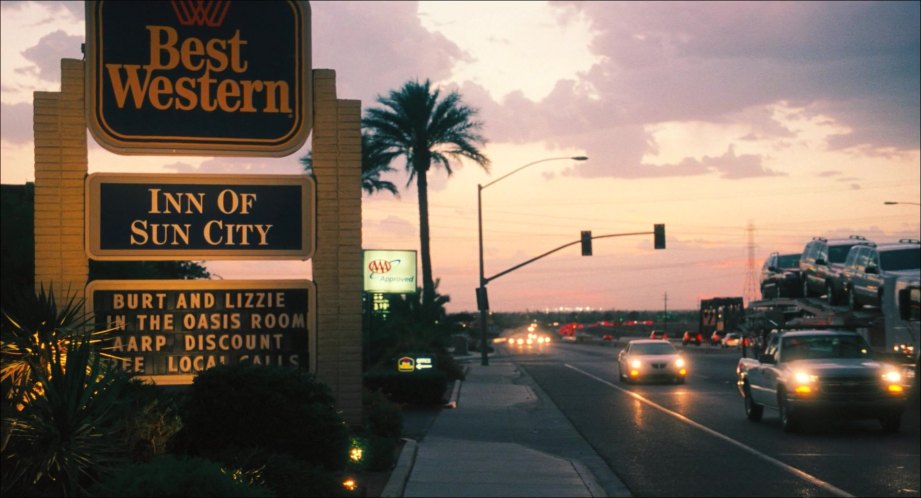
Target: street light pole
[
  {"x": 481, "y": 296},
  {"x": 893, "y": 203},
  {"x": 481, "y": 291}
]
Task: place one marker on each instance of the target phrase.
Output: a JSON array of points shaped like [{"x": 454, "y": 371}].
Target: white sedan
[
  {"x": 651, "y": 359},
  {"x": 731, "y": 340}
]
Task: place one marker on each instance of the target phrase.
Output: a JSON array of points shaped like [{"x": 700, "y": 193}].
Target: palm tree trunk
[{"x": 428, "y": 284}]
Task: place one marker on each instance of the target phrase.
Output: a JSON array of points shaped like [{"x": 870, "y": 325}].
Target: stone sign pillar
[
  {"x": 59, "y": 124},
  {"x": 337, "y": 262}
]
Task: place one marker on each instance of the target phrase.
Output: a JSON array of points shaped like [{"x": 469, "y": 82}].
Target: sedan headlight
[
  {"x": 679, "y": 363},
  {"x": 635, "y": 363}
]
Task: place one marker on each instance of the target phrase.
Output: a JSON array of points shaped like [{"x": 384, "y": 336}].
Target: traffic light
[
  {"x": 659, "y": 234},
  {"x": 586, "y": 242},
  {"x": 482, "y": 299}
]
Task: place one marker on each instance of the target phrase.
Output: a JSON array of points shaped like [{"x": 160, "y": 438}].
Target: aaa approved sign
[{"x": 199, "y": 77}]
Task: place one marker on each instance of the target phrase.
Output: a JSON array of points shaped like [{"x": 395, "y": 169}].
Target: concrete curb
[
  {"x": 455, "y": 393},
  {"x": 588, "y": 478},
  {"x": 397, "y": 482}
]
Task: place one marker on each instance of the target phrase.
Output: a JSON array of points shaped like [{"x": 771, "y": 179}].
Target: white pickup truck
[{"x": 821, "y": 373}]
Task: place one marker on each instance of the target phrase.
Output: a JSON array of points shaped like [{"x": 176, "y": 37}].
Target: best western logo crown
[{"x": 201, "y": 12}]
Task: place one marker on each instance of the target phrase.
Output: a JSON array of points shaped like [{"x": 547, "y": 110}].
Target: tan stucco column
[
  {"x": 59, "y": 124},
  {"x": 337, "y": 262}
]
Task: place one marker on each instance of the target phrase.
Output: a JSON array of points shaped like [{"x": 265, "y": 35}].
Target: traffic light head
[
  {"x": 659, "y": 234},
  {"x": 586, "y": 242}
]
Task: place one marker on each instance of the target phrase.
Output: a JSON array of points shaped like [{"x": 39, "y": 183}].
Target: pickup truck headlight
[
  {"x": 679, "y": 362},
  {"x": 804, "y": 382},
  {"x": 636, "y": 363},
  {"x": 893, "y": 381},
  {"x": 892, "y": 377}
]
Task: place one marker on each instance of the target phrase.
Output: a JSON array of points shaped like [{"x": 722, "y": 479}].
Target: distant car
[
  {"x": 731, "y": 340},
  {"x": 716, "y": 339},
  {"x": 529, "y": 339},
  {"x": 867, "y": 267},
  {"x": 821, "y": 263},
  {"x": 780, "y": 276},
  {"x": 651, "y": 359},
  {"x": 688, "y": 338},
  {"x": 658, "y": 335}
]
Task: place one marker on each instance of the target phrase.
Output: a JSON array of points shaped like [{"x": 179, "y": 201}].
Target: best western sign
[
  {"x": 199, "y": 77},
  {"x": 170, "y": 217}
]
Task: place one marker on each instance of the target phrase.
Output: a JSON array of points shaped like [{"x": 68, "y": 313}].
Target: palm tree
[
  {"x": 413, "y": 122},
  {"x": 372, "y": 165}
]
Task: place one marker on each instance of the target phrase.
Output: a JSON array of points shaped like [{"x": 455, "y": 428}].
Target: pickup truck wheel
[
  {"x": 753, "y": 410},
  {"x": 891, "y": 423},
  {"x": 621, "y": 375},
  {"x": 788, "y": 420},
  {"x": 852, "y": 300}
]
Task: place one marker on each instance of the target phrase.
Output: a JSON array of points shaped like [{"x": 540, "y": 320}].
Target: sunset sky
[{"x": 797, "y": 119}]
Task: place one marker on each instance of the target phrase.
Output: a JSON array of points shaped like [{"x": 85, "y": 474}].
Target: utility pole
[
  {"x": 750, "y": 285},
  {"x": 666, "y": 312}
]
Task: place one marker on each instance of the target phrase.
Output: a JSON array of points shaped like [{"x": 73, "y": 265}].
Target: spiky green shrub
[
  {"x": 62, "y": 407},
  {"x": 65, "y": 437},
  {"x": 172, "y": 476},
  {"x": 254, "y": 406},
  {"x": 35, "y": 328}
]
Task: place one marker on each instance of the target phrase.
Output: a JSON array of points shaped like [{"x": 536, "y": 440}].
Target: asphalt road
[{"x": 694, "y": 439}]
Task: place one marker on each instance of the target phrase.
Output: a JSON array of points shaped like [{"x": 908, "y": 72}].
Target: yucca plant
[
  {"x": 33, "y": 326},
  {"x": 62, "y": 403}
]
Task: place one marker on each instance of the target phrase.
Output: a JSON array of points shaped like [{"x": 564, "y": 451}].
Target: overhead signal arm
[{"x": 585, "y": 241}]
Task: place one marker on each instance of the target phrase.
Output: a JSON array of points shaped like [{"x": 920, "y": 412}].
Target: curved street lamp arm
[{"x": 574, "y": 158}]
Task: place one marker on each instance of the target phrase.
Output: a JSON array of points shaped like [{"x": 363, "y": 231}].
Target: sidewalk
[{"x": 504, "y": 438}]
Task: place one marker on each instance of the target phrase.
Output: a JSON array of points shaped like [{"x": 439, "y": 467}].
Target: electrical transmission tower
[{"x": 749, "y": 293}]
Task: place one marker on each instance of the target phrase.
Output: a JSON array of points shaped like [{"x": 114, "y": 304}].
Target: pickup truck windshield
[
  {"x": 788, "y": 261},
  {"x": 902, "y": 259},
  {"x": 824, "y": 347}
]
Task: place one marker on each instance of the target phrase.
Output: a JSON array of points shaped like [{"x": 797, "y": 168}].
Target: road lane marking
[{"x": 793, "y": 470}]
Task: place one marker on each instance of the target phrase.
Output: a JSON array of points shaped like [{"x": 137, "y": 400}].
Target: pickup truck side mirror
[
  {"x": 871, "y": 270},
  {"x": 766, "y": 358},
  {"x": 821, "y": 261}
]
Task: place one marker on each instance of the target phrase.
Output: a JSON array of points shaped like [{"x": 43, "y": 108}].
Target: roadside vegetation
[{"x": 74, "y": 424}]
